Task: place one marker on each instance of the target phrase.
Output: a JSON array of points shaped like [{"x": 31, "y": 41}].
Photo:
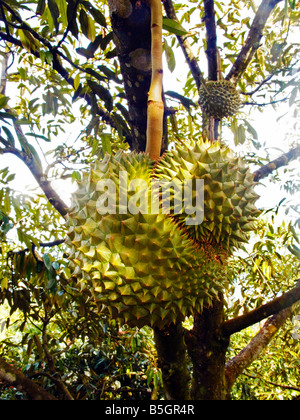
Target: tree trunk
[
  {"x": 172, "y": 357},
  {"x": 16, "y": 378},
  {"x": 207, "y": 348},
  {"x": 131, "y": 21}
]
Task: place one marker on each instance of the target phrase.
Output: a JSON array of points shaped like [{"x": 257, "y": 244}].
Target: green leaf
[
  {"x": 62, "y": 5},
  {"x": 77, "y": 81},
  {"x": 170, "y": 56},
  {"x": 292, "y": 4},
  {"x": 35, "y": 155},
  {"x": 294, "y": 250},
  {"x": 186, "y": 102},
  {"x": 85, "y": 52},
  {"x": 3, "y": 101},
  {"x": 47, "y": 261},
  {"x": 109, "y": 74},
  {"x": 71, "y": 15},
  {"x": 38, "y": 136},
  {"x": 251, "y": 130},
  {"x": 9, "y": 136},
  {"x": 293, "y": 96},
  {"x": 173, "y": 27},
  {"x": 87, "y": 25},
  {"x": 97, "y": 15},
  {"x": 103, "y": 94},
  {"x": 41, "y": 7},
  {"x": 55, "y": 13},
  {"x": 106, "y": 143}
]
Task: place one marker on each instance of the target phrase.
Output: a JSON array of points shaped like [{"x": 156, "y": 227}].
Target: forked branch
[
  {"x": 238, "y": 364},
  {"x": 253, "y": 40},
  {"x": 275, "y": 306}
]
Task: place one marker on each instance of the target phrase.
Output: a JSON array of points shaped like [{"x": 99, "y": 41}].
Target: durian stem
[{"x": 155, "y": 112}]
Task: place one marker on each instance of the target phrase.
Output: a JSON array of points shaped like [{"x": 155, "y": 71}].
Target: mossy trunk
[
  {"x": 172, "y": 355},
  {"x": 207, "y": 349}
]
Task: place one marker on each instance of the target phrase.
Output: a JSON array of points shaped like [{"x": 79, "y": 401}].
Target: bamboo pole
[{"x": 155, "y": 111}]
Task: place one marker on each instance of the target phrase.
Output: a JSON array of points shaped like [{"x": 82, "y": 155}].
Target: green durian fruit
[
  {"x": 229, "y": 196},
  {"x": 219, "y": 99},
  {"x": 140, "y": 263},
  {"x": 141, "y": 267}
]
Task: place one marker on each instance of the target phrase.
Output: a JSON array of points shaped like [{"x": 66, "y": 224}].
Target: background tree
[{"x": 84, "y": 67}]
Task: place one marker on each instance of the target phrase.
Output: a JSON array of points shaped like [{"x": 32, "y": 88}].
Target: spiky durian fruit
[
  {"x": 219, "y": 99},
  {"x": 149, "y": 267},
  {"x": 141, "y": 267},
  {"x": 229, "y": 196}
]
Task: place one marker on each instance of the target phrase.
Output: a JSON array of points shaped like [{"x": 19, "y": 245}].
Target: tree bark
[
  {"x": 207, "y": 349},
  {"x": 241, "y": 322},
  {"x": 17, "y": 379},
  {"x": 172, "y": 358},
  {"x": 270, "y": 167},
  {"x": 211, "y": 39},
  {"x": 131, "y": 23},
  {"x": 238, "y": 364},
  {"x": 253, "y": 40}
]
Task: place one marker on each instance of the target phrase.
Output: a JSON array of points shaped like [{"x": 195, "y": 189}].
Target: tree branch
[
  {"x": 17, "y": 379},
  {"x": 283, "y": 160},
  {"x": 253, "y": 41},
  {"x": 239, "y": 363},
  {"x": 171, "y": 351},
  {"x": 59, "y": 68},
  {"x": 133, "y": 44},
  {"x": 191, "y": 60},
  {"x": 275, "y": 306},
  {"x": 290, "y": 387},
  {"x": 39, "y": 176},
  {"x": 211, "y": 36}
]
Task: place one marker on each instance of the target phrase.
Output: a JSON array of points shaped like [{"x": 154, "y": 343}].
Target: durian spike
[{"x": 155, "y": 103}]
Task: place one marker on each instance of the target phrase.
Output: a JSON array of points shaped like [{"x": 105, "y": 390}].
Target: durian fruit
[
  {"x": 141, "y": 267},
  {"x": 149, "y": 267},
  {"x": 229, "y": 196},
  {"x": 219, "y": 99}
]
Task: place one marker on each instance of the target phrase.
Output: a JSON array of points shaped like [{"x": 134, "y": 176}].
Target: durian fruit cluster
[
  {"x": 150, "y": 268},
  {"x": 219, "y": 99}
]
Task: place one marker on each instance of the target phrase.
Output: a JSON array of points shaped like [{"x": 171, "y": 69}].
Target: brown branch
[
  {"x": 266, "y": 80},
  {"x": 253, "y": 41},
  {"x": 39, "y": 176},
  {"x": 211, "y": 36},
  {"x": 275, "y": 306},
  {"x": 171, "y": 351},
  {"x": 239, "y": 363},
  {"x": 289, "y": 387},
  {"x": 17, "y": 379},
  {"x": 191, "y": 60},
  {"x": 283, "y": 160}
]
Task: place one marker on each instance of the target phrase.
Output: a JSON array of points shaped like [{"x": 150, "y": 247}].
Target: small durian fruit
[{"x": 219, "y": 99}]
